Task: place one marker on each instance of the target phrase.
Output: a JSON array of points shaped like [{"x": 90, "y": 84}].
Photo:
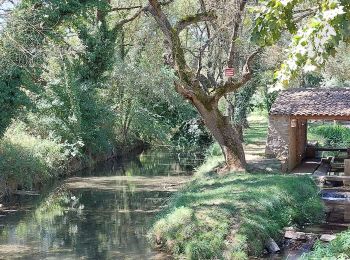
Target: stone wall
[{"x": 278, "y": 140}]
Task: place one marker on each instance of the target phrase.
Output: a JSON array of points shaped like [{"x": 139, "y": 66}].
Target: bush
[
  {"x": 331, "y": 135},
  {"x": 26, "y": 159}
]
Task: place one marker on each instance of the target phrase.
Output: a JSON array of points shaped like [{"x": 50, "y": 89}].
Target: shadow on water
[{"x": 98, "y": 214}]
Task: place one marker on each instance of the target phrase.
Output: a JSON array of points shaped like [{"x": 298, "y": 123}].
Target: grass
[
  {"x": 231, "y": 216},
  {"x": 336, "y": 249},
  {"x": 257, "y": 131},
  {"x": 234, "y": 215},
  {"x": 333, "y": 135}
]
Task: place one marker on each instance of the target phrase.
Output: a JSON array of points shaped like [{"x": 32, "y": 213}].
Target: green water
[{"x": 99, "y": 214}]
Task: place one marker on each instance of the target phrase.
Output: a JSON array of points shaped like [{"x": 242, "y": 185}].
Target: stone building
[{"x": 289, "y": 115}]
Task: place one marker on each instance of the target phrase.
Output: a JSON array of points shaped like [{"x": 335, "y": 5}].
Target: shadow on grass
[{"x": 259, "y": 206}]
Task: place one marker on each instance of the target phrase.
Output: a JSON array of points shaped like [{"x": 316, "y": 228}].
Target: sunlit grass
[
  {"x": 234, "y": 214},
  {"x": 257, "y": 131}
]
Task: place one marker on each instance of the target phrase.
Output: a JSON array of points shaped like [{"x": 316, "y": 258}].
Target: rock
[
  {"x": 327, "y": 238},
  {"x": 289, "y": 229},
  {"x": 291, "y": 234},
  {"x": 271, "y": 246}
]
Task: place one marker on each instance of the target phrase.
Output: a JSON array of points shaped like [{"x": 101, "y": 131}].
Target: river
[{"x": 97, "y": 214}]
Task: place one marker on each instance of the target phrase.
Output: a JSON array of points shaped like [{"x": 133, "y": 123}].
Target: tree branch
[
  {"x": 302, "y": 16},
  {"x": 129, "y": 19},
  {"x": 234, "y": 38},
  {"x": 192, "y": 19},
  {"x": 128, "y": 8},
  {"x": 137, "y": 14},
  {"x": 230, "y": 85}
]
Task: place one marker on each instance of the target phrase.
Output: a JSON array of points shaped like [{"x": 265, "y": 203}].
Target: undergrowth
[
  {"x": 26, "y": 159},
  {"x": 330, "y": 135},
  {"x": 337, "y": 249}
]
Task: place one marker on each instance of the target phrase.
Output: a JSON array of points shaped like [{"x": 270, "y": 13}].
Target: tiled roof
[{"x": 313, "y": 102}]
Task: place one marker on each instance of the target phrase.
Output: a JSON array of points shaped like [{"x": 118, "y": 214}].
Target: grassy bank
[
  {"x": 232, "y": 216},
  {"x": 26, "y": 160},
  {"x": 337, "y": 249}
]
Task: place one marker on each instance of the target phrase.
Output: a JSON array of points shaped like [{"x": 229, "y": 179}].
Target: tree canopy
[{"x": 325, "y": 25}]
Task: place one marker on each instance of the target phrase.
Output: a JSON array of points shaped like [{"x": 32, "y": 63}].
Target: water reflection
[{"x": 100, "y": 214}]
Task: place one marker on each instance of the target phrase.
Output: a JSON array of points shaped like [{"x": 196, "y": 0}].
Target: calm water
[{"x": 99, "y": 214}]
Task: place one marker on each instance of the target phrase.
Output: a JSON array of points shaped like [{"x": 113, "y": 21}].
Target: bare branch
[
  {"x": 137, "y": 14},
  {"x": 305, "y": 15},
  {"x": 235, "y": 34},
  {"x": 129, "y": 19}
]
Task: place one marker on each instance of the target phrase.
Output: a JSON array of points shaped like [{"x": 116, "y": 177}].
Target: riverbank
[
  {"x": 27, "y": 162},
  {"x": 234, "y": 216},
  {"x": 338, "y": 248}
]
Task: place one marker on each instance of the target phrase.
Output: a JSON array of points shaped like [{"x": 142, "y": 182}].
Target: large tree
[{"x": 213, "y": 33}]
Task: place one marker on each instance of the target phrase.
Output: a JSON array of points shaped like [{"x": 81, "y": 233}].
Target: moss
[{"x": 233, "y": 215}]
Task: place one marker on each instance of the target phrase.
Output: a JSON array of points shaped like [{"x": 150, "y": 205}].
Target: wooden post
[{"x": 347, "y": 170}]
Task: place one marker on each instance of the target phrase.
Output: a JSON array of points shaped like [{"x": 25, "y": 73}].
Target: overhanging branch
[{"x": 193, "y": 19}]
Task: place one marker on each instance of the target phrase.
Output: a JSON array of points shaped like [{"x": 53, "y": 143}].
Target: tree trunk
[{"x": 224, "y": 133}]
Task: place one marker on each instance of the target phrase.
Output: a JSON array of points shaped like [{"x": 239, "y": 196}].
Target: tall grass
[
  {"x": 336, "y": 249},
  {"x": 330, "y": 135},
  {"x": 27, "y": 159}
]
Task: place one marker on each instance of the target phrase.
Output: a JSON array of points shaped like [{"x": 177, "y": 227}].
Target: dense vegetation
[
  {"x": 79, "y": 93},
  {"x": 330, "y": 135},
  {"x": 84, "y": 81}
]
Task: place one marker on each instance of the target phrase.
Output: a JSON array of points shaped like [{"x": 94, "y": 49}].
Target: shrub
[
  {"x": 331, "y": 135},
  {"x": 26, "y": 159}
]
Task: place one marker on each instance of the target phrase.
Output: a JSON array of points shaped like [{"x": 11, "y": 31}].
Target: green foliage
[
  {"x": 25, "y": 159},
  {"x": 192, "y": 135},
  {"x": 313, "y": 42},
  {"x": 338, "y": 249},
  {"x": 330, "y": 135},
  {"x": 25, "y": 34},
  {"x": 234, "y": 214}
]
